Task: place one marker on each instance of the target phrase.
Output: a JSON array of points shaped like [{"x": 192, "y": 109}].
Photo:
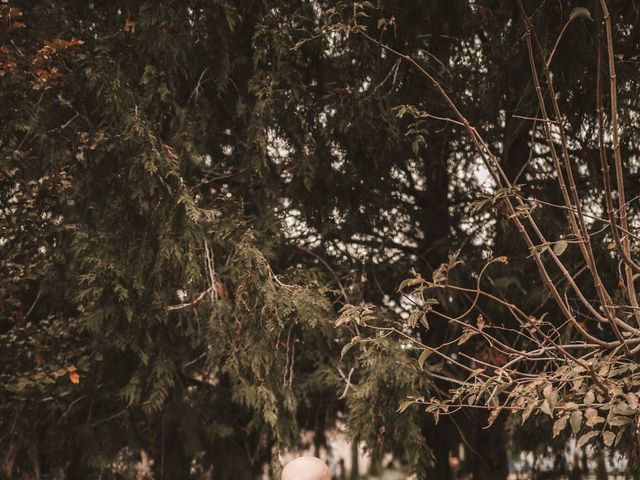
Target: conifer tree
[{"x": 147, "y": 302}]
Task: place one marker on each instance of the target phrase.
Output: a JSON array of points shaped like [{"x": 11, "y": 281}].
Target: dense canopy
[{"x": 208, "y": 209}]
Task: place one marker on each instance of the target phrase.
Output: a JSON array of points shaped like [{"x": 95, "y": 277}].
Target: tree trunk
[
  {"x": 601, "y": 468},
  {"x": 438, "y": 439},
  {"x": 170, "y": 459},
  {"x": 355, "y": 454},
  {"x": 485, "y": 448}
]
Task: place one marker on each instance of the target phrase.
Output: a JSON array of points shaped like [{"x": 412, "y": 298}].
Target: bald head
[{"x": 306, "y": 468}]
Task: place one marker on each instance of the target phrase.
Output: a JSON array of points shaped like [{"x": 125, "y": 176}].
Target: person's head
[{"x": 306, "y": 468}]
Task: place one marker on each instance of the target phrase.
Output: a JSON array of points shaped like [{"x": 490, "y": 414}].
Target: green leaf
[
  {"x": 342, "y": 320},
  {"x": 592, "y": 418},
  {"x": 414, "y": 318},
  {"x": 580, "y": 12},
  {"x": 346, "y": 349},
  {"x": 551, "y": 398},
  {"x": 576, "y": 421},
  {"x": 608, "y": 438},
  {"x": 584, "y": 439},
  {"x": 423, "y": 357},
  {"x": 366, "y": 4},
  {"x": 547, "y": 408},
  {"x": 410, "y": 282},
  {"x": 589, "y": 398},
  {"x": 404, "y": 405},
  {"x": 560, "y": 247},
  {"x": 618, "y": 421},
  {"x": 415, "y": 147},
  {"x": 466, "y": 335},
  {"x": 623, "y": 408},
  {"x": 560, "y": 425}
]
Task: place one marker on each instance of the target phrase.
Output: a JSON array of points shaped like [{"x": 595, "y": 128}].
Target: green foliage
[
  {"x": 141, "y": 308},
  {"x": 190, "y": 191},
  {"x": 478, "y": 313},
  {"x": 389, "y": 375}
]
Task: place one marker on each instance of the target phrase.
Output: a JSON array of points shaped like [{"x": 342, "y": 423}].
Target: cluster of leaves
[
  {"x": 596, "y": 395},
  {"x": 141, "y": 310},
  {"x": 574, "y": 366}
]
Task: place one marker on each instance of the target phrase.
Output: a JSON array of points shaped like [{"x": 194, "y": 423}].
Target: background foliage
[{"x": 192, "y": 190}]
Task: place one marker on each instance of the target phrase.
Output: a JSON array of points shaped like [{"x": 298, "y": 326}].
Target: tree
[
  {"x": 148, "y": 304},
  {"x": 570, "y": 354},
  {"x": 191, "y": 190},
  {"x": 373, "y": 205}
]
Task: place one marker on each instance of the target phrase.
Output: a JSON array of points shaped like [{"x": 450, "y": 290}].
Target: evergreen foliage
[
  {"x": 191, "y": 190},
  {"x": 140, "y": 306}
]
